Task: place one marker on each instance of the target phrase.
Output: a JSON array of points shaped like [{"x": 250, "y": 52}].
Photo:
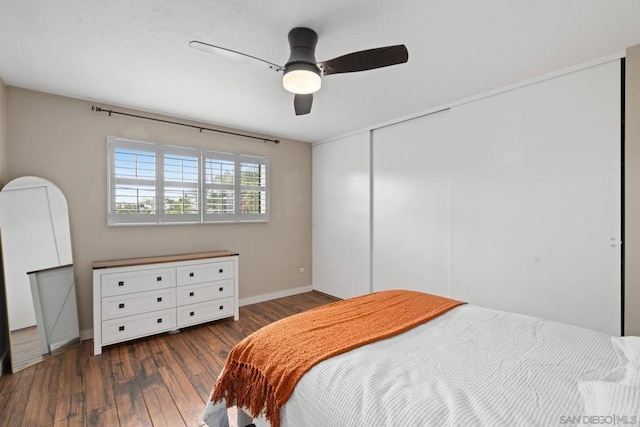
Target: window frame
[{"x": 160, "y": 217}]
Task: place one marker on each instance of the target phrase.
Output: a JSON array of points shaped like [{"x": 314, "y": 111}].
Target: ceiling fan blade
[
  {"x": 366, "y": 60},
  {"x": 229, "y": 53},
  {"x": 302, "y": 104}
]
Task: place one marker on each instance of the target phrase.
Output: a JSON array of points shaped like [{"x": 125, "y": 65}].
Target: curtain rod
[{"x": 200, "y": 128}]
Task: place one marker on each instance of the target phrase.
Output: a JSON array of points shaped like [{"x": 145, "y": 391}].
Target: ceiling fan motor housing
[{"x": 302, "y": 42}]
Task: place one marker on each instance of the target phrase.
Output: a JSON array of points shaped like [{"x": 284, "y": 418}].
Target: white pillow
[
  {"x": 628, "y": 349},
  {"x": 603, "y": 398}
]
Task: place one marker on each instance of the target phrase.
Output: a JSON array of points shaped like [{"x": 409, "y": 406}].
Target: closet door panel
[
  {"x": 536, "y": 200},
  {"x": 341, "y": 212},
  {"x": 411, "y": 199}
]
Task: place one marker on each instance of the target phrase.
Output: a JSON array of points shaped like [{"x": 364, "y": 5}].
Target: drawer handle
[
  {"x": 191, "y": 294},
  {"x": 221, "y": 289},
  {"x": 222, "y": 307},
  {"x": 120, "y": 283},
  {"x": 221, "y": 270},
  {"x": 159, "y": 299},
  {"x": 193, "y": 313},
  {"x": 121, "y": 305},
  {"x": 159, "y": 279},
  {"x": 159, "y": 320},
  {"x": 121, "y": 328},
  {"x": 191, "y": 274}
]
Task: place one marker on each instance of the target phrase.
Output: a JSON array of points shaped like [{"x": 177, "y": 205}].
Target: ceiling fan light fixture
[{"x": 301, "y": 79}]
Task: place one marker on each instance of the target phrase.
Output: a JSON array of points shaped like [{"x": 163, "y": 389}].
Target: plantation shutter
[
  {"x": 181, "y": 177},
  {"x": 133, "y": 177},
  {"x": 219, "y": 187}
]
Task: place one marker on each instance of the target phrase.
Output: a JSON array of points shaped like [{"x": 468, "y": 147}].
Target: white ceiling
[{"x": 135, "y": 54}]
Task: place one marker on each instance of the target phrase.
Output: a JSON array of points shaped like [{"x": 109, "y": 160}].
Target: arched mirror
[{"x": 38, "y": 270}]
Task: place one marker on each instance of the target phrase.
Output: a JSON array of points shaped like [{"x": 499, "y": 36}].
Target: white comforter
[{"x": 470, "y": 366}]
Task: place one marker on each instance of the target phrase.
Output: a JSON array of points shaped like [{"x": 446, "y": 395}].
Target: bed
[{"x": 469, "y": 366}]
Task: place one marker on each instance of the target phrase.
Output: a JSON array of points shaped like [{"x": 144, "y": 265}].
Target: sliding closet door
[
  {"x": 411, "y": 198},
  {"x": 536, "y": 197},
  {"x": 341, "y": 226}
]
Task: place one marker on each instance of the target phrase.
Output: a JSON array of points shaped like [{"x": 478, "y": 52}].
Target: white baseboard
[
  {"x": 87, "y": 334},
  {"x": 275, "y": 295}
]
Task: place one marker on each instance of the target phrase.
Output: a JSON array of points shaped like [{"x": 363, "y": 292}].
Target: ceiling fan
[{"x": 302, "y": 73}]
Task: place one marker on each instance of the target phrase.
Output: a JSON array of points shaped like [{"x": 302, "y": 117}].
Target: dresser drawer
[
  {"x": 201, "y": 292},
  {"x": 140, "y": 325},
  {"x": 205, "y": 311},
  {"x": 138, "y": 303},
  {"x": 137, "y": 281},
  {"x": 205, "y": 272}
]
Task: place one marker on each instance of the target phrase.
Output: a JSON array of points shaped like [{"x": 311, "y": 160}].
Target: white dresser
[{"x": 137, "y": 297}]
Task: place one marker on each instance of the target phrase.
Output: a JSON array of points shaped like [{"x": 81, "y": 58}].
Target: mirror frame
[{"x": 59, "y": 225}]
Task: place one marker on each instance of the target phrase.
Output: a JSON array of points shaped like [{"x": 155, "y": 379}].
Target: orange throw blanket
[{"x": 262, "y": 370}]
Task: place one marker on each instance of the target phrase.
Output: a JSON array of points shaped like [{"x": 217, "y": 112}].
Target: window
[
  {"x": 180, "y": 185},
  {"x": 220, "y": 187},
  {"x": 253, "y": 191},
  {"x": 133, "y": 183},
  {"x": 154, "y": 184}
]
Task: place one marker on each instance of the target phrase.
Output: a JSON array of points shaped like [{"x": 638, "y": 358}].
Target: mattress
[{"x": 470, "y": 366}]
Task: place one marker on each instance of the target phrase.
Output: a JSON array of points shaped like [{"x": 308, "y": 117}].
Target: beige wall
[
  {"x": 632, "y": 192},
  {"x": 62, "y": 140}
]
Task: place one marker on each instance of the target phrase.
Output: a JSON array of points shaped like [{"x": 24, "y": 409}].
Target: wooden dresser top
[{"x": 128, "y": 262}]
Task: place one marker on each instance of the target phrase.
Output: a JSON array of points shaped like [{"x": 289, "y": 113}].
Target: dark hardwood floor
[{"x": 163, "y": 380}]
